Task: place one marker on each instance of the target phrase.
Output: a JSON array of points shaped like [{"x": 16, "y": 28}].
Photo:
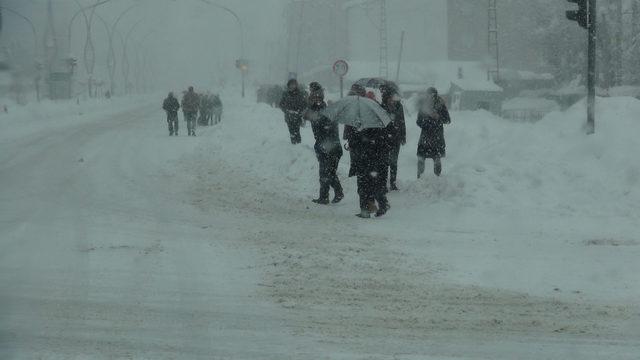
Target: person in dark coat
[
  {"x": 190, "y": 103},
  {"x": 171, "y": 106},
  {"x": 397, "y": 131},
  {"x": 293, "y": 103},
  {"x": 356, "y": 90},
  {"x": 369, "y": 150},
  {"x": 432, "y": 115},
  {"x": 216, "y": 109},
  {"x": 327, "y": 146}
]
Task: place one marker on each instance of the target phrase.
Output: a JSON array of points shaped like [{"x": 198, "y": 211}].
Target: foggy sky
[{"x": 187, "y": 41}]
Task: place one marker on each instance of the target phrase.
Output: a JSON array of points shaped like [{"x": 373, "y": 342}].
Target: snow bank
[
  {"x": 548, "y": 166},
  {"x": 526, "y": 103},
  {"x": 508, "y": 190}
]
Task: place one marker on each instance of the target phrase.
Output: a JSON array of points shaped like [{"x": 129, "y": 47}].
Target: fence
[{"x": 524, "y": 115}]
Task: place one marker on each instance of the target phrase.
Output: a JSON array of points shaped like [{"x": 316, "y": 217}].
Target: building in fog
[
  {"x": 467, "y": 30},
  {"x": 320, "y": 31}
]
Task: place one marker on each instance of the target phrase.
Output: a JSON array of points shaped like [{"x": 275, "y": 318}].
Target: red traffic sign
[{"x": 340, "y": 68}]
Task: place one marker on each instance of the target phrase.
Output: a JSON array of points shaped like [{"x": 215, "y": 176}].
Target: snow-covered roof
[
  {"x": 438, "y": 74},
  {"x": 481, "y": 85},
  {"x": 625, "y": 91},
  {"x": 352, "y": 3},
  {"x": 510, "y": 74},
  {"x": 527, "y": 103},
  {"x": 530, "y": 75}
]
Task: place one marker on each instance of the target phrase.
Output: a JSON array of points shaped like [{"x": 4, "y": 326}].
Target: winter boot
[
  {"x": 383, "y": 210},
  {"x": 383, "y": 207},
  {"x": 371, "y": 206},
  {"x": 321, "y": 201},
  {"x": 364, "y": 214},
  {"x": 339, "y": 196},
  {"x": 437, "y": 167},
  {"x": 421, "y": 167}
]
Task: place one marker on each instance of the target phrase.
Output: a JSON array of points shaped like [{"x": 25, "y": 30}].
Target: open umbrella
[{"x": 359, "y": 112}]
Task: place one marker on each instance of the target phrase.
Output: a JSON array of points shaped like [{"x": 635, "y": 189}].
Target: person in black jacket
[
  {"x": 432, "y": 115},
  {"x": 327, "y": 146},
  {"x": 171, "y": 106},
  {"x": 369, "y": 150},
  {"x": 397, "y": 131},
  {"x": 370, "y": 160},
  {"x": 293, "y": 103}
]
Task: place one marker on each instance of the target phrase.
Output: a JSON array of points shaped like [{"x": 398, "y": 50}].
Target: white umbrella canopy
[{"x": 359, "y": 112}]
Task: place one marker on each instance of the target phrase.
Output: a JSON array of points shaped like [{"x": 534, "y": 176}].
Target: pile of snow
[
  {"x": 548, "y": 166},
  {"x": 547, "y": 186},
  {"x": 527, "y": 103}
]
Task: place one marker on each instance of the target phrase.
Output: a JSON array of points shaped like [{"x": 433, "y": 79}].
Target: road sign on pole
[{"x": 341, "y": 68}]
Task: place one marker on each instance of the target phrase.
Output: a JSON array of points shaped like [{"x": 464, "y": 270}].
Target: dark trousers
[
  {"x": 393, "y": 163},
  {"x": 328, "y": 167},
  {"x": 172, "y": 121},
  {"x": 293, "y": 123},
  {"x": 437, "y": 166},
  {"x": 190, "y": 118},
  {"x": 373, "y": 186},
  {"x": 216, "y": 115}
]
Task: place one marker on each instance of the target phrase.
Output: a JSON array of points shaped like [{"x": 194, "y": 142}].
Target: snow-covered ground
[{"x": 121, "y": 242}]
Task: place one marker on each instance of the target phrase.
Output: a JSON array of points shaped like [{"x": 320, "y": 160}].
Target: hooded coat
[
  {"x": 431, "y": 144},
  {"x": 171, "y": 105},
  {"x": 325, "y": 132},
  {"x": 190, "y": 102}
]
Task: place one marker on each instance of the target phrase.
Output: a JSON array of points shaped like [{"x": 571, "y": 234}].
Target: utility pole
[
  {"x": 493, "y": 74},
  {"x": 384, "y": 50},
  {"x": 50, "y": 44},
  {"x": 300, "y": 29},
  {"x": 591, "y": 68},
  {"x": 586, "y": 17},
  {"x": 400, "y": 57},
  {"x": 619, "y": 35}
]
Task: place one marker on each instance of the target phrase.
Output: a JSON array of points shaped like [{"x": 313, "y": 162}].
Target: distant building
[
  {"x": 467, "y": 30},
  {"x": 475, "y": 95}
]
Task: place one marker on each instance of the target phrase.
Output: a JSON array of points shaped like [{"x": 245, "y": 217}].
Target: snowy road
[
  {"x": 103, "y": 257},
  {"x": 120, "y": 242}
]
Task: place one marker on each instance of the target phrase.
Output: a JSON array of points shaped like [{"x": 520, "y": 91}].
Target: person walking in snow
[
  {"x": 216, "y": 109},
  {"x": 171, "y": 106},
  {"x": 190, "y": 103},
  {"x": 397, "y": 131},
  {"x": 203, "y": 119},
  {"x": 369, "y": 149},
  {"x": 293, "y": 103},
  {"x": 432, "y": 115},
  {"x": 327, "y": 146}
]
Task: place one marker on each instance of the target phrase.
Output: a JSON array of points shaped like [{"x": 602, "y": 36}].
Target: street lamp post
[
  {"x": 125, "y": 57},
  {"x": 112, "y": 53},
  {"x": 89, "y": 49},
  {"x": 243, "y": 69},
  {"x": 37, "y": 65}
]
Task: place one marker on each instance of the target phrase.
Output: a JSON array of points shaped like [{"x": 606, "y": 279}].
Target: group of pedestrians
[
  {"x": 373, "y": 151},
  {"x": 209, "y": 106}
]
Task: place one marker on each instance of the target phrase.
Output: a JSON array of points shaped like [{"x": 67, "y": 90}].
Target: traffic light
[
  {"x": 72, "y": 63},
  {"x": 581, "y": 16},
  {"x": 242, "y": 64}
]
